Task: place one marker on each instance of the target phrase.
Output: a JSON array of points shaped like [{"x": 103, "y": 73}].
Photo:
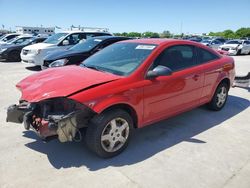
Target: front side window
[
  {"x": 176, "y": 57},
  {"x": 247, "y": 42},
  {"x": 21, "y": 40},
  {"x": 73, "y": 38},
  {"x": 120, "y": 58}
]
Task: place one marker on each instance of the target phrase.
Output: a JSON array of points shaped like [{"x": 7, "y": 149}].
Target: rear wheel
[
  {"x": 108, "y": 133},
  {"x": 14, "y": 56},
  {"x": 220, "y": 97}
]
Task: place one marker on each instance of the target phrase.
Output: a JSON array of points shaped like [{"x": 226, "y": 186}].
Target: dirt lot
[{"x": 198, "y": 149}]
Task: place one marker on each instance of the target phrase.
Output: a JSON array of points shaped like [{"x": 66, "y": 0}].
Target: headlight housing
[
  {"x": 38, "y": 51},
  {"x": 59, "y": 63},
  {"x": 2, "y": 49}
]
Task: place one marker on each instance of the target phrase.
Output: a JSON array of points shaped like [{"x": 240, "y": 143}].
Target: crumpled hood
[
  {"x": 61, "y": 82},
  {"x": 38, "y": 46}
]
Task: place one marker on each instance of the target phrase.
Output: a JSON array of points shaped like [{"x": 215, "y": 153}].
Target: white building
[{"x": 35, "y": 30}]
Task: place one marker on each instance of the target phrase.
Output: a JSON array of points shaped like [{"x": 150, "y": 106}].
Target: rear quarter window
[{"x": 206, "y": 56}]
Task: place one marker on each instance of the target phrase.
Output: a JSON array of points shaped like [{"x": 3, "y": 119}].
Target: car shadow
[
  {"x": 33, "y": 68},
  {"x": 145, "y": 142},
  {"x": 7, "y": 62}
]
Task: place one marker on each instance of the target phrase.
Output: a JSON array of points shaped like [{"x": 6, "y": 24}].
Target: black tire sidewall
[
  {"x": 213, "y": 103},
  {"x": 95, "y": 129},
  {"x": 14, "y": 56}
]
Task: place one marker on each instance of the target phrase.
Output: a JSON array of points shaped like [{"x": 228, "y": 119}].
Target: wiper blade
[{"x": 92, "y": 67}]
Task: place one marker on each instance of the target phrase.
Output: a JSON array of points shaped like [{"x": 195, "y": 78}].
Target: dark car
[
  {"x": 79, "y": 52},
  {"x": 195, "y": 39},
  {"x": 12, "y": 52},
  {"x": 222, "y": 40}
]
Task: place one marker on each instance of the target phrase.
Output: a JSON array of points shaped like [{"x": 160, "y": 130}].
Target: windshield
[
  {"x": 2, "y": 37},
  {"x": 28, "y": 41},
  {"x": 233, "y": 42},
  {"x": 12, "y": 40},
  {"x": 120, "y": 58},
  {"x": 54, "y": 39},
  {"x": 18, "y": 40},
  {"x": 87, "y": 45}
]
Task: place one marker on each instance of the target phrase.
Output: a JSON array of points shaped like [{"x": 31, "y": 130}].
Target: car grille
[
  {"x": 226, "y": 49},
  {"x": 25, "y": 52}
]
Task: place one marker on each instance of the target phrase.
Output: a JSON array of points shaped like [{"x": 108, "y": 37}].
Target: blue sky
[{"x": 195, "y": 16}]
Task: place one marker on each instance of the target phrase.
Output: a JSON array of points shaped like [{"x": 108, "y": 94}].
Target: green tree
[
  {"x": 228, "y": 34},
  {"x": 166, "y": 34},
  {"x": 243, "y": 32},
  {"x": 134, "y": 34}
]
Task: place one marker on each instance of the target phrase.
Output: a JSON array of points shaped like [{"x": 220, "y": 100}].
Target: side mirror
[
  {"x": 159, "y": 71},
  {"x": 65, "y": 43}
]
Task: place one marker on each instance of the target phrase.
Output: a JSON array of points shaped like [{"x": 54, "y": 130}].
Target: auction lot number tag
[{"x": 145, "y": 47}]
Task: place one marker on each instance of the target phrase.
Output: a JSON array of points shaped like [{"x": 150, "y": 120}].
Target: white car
[
  {"x": 5, "y": 38},
  {"x": 36, "y": 53},
  {"x": 236, "y": 47}
]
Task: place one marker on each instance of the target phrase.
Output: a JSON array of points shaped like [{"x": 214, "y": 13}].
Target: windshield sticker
[
  {"x": 145, "y": 47},
  {"x": 98, "y": 40}
]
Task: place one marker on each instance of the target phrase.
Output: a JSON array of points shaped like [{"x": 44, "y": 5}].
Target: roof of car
[
  {"x": 79, "y": 31},
  {"x": 156, "y": 41},
  {"x": 110, "y": 37}
]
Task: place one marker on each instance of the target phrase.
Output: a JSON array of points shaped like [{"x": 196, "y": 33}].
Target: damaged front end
[{"x": 60, "y": 117}]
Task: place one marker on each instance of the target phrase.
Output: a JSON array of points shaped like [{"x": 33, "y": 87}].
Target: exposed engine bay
[{"x": 60, "y": 117}]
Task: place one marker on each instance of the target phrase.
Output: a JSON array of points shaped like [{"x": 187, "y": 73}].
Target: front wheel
[
  {"x": 109, "y": 132},
  {"x": 219, "y": 98},
  {"x": 14, "y": 56}
]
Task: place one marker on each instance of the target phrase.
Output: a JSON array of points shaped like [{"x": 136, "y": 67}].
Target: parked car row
[
  {"x": 232, "y": 47},
  {"x": 127, "y": 85},
  {"x": 11, "y": 51},
  {"x": 36, "y": 53}
]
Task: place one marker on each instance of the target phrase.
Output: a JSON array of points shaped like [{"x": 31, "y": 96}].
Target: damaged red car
[{"x": 126, "y": 86}]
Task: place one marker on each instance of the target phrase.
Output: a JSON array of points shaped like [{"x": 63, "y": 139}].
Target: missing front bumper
[{"x": 60, "y": 117}]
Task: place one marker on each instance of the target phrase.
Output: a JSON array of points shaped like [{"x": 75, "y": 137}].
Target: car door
[
  {"x": 246, "y": 47},
  {"x": 207, "y": 61},
  {"x": 168, "y": 95}
]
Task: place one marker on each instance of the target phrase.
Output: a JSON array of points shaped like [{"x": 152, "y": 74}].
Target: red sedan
[{"x": 125, "y": 86}]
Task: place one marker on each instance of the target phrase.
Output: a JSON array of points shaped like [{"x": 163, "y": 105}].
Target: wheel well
[
  {"x": 130, "y": 110},
  {"x": 226, "y": 81}
]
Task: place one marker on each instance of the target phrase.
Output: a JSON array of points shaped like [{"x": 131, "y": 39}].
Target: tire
[
  {"x": 218, "y": 102},
  {"x": 14, "y": 56},
  {"x": 109, "y": 132},
  {"x": 238, "y": 52}
]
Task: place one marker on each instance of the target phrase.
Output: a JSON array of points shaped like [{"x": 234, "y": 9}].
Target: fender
[
  {"x": 221, "y": 77},
  {"x": 101, "y": 105}
]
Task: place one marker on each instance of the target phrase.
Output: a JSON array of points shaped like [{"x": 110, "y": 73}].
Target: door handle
[{"x": 196, "y": 77}]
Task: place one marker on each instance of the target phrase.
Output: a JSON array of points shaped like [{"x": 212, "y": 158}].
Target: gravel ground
[{"x": 198, "y": 149}]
